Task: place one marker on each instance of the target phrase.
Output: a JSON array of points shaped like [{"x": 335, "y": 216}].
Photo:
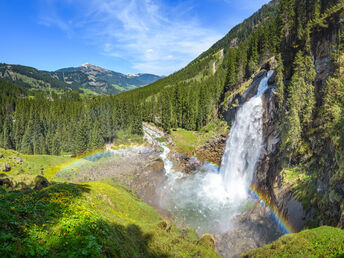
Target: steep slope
[{"x": 218, "y": 54}]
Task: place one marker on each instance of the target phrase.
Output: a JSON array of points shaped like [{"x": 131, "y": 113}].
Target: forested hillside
[{"x": 31, "y": 78}]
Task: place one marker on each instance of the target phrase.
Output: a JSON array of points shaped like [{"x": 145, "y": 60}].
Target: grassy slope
[
  {"x": 94, "y": 219},
  {"x": 319, "y": 242}
]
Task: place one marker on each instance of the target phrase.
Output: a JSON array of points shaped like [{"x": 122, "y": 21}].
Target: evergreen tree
[
  {"x": 301, "y": 100},
  {"x": 7, "y": 134}
]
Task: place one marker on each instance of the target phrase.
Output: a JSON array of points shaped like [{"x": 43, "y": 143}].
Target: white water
[
  {"x": 244, "y": 145},
  {"x": 207, "y": 200}
]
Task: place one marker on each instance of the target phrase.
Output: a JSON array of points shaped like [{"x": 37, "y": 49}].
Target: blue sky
[{"x": 128, "y": 36}]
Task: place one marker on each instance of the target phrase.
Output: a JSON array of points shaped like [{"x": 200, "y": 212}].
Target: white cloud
[{"x": 151, "y": 35}]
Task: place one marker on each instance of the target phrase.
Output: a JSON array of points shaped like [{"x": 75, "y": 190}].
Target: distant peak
[{"x": 94, "y": 67}]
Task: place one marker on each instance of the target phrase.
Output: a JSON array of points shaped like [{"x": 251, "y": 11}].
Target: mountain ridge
[{"x": 87, "y": 78}]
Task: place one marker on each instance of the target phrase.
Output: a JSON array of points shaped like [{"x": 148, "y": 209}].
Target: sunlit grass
[{"x": 319, "y": 242}]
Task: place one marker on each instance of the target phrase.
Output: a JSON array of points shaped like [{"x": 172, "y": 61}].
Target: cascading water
[
  {"x": 207, "y": 200},
  {"x": 244, "y": 145}
]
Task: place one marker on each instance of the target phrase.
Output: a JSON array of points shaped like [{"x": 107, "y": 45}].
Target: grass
[
  {"x": 118, "y": 87},
  {"x": 87, "y": 91},
  {"x": 319, "y": 242},
  {"x": 188, "y": 141},
  {"x": 97, "y": 219},
  {"x": 32, "y": 165},
  {"x": 93, "y": 219}
]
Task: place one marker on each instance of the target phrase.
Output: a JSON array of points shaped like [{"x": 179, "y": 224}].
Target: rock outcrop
[
  {"x": 184, "y": 163},
  {"x": 212, "y": 151},
  {"x": 324, "y": 41},
  {"x": 247, "y": 233},
  {"x": 147, "y": 181},
  {"x": 240, "y": 99}
]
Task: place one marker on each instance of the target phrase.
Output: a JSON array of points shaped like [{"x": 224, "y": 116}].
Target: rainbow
[
  {"x": 279, "y": 219},
  {"x": 78, "y": 161}
]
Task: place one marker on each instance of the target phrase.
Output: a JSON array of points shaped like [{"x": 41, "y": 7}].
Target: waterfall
[
  {"x": 209, "y": 199},
  {"x": 244, "y": 145}
]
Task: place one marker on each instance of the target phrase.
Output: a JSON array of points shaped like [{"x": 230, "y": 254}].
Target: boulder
[
  {"x": 208, "y": 241},
  {"x": 19, "y": 160},
  {"x": 146, "y": 182},
  {"x": 6, "y": 182},
  {"x": 41, "y": 182},
  {"x": 184, "y": 163},
  {"x": 5, "y": 167}
]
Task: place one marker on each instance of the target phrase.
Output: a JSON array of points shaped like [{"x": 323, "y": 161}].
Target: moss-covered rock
[
  {"x": 208, "y": 241},
  {"x": 6, "y": 182},
  {"x": 5, "y": 167},
  {"x": 165, "y": 225},
  {"x": 41, "y": 182}
]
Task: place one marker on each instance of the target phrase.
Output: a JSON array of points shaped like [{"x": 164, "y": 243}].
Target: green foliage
[
  {"x": 280, "y": 90},
  {"x": 319, "y": 242}
]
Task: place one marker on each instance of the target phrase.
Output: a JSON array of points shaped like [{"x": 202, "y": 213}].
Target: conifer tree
[{"x": 301, "y": 100}]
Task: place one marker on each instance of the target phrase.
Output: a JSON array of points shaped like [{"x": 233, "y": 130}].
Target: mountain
[
  {"x": 32, "y": 78},
  {"x": 87, "y": 78},
  {"x": 91, "y": 76}
]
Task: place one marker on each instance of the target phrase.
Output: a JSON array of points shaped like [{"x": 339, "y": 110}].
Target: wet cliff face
[
  {"x": 268, "y": 178},
  {"x": 267, "y": 167}
]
